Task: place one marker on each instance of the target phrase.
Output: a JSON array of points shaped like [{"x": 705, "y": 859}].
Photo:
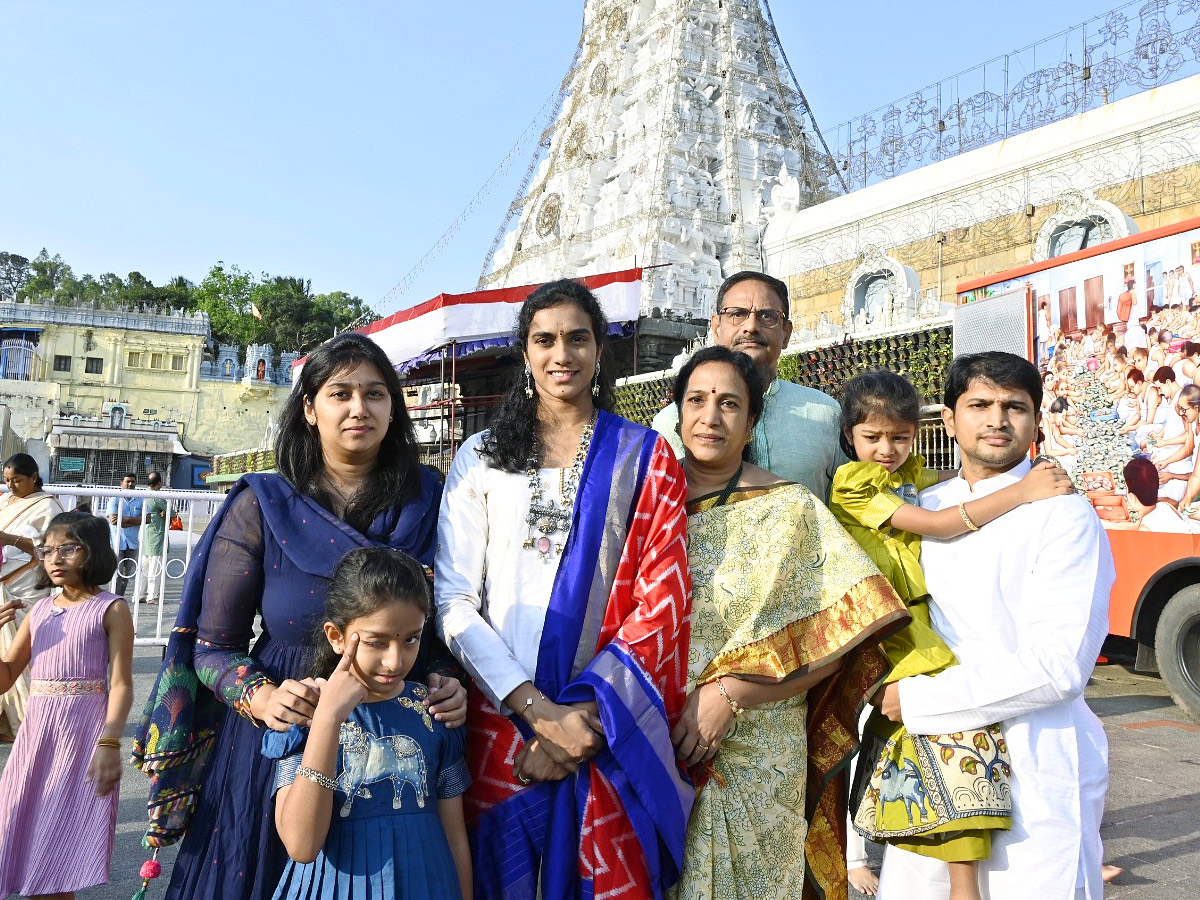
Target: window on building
[
  {"x": 134, "y": 360},
  {"x": 156, "y": 360},
  {"x": 62, "y": 363},
  {"x": 1080, "y": 234},
  {"x": 94, "y": 365},
  {"x": 178, "y": 363}
]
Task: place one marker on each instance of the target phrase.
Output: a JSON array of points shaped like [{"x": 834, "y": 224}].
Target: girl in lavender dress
[{"x": 58, "y": 794}]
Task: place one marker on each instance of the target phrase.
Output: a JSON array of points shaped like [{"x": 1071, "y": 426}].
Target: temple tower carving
[{"x": 678, "y": 135}]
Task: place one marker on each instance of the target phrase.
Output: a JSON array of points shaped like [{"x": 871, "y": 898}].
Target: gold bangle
[
  {"x": 733, "y": 704},
  {"x": 114, "y": 743},
  {"x": 962, "y": 512}
]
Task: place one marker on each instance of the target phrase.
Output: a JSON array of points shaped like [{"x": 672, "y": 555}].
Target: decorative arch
[
  {"x": 881, "y": 291},
  {"x": 1096, "y": 221}
]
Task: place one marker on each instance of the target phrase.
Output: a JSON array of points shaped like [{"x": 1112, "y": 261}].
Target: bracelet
[
  {"x": 114, "y": 743},
  {"x": 320, "y": 778},
  {"x": 733, "y": 704},
  {"x": 528, "y": 703},
  {"x": 962, "y": 512}
]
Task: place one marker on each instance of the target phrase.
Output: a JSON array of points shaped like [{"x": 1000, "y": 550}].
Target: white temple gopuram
[{"x": 679, "y": 135}]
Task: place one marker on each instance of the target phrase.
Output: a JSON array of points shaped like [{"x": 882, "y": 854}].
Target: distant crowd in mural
[{"x": 1121, "y": 407}]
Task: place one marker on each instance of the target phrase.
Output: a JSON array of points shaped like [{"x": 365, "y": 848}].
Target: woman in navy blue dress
[{"x": 349, "y": 478}]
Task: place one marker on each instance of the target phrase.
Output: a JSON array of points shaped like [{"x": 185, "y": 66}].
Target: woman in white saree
[{"x": 24, "y": 513}]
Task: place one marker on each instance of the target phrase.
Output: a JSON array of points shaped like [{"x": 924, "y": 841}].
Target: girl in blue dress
[{"x": 368, "y": 802}]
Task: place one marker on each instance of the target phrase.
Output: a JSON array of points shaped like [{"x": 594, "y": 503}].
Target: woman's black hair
[
  {"x": 298, "y": 454},
  {"x": 93, "y": 533},
  {"x": 883, "y": 394},
  {"x": 514, "y": 437},
  {"x": 365, "y": 581},
  {"x": 24, "y": 464},
  {"x": 741, "y": 363}
]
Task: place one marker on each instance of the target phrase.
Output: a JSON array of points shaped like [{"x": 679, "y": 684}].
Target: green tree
[
  {"x": 14, "y": 275},
  {"x": 48, "y": 274},
  {"x": 225, "y": 295}
]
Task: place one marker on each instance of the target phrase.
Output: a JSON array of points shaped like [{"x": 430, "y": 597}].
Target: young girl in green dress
[{"x": 936, "y": 795}]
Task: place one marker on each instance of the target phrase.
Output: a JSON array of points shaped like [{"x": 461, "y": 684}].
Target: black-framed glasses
[
  {"x": 64, "y": 551},
  {"x": 767, "y": 318}
]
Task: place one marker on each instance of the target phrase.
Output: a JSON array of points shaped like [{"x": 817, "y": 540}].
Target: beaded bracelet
[{"x": 319, "y": 778}]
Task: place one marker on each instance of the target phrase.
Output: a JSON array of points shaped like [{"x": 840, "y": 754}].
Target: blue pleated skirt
[{"x": 383, "y": 857}]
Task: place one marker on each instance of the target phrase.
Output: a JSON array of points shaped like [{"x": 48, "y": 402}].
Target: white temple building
[{"x": 679, "y": 135}]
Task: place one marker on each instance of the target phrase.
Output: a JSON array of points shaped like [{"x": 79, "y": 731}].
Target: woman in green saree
[{"x": 787, "y": 613}]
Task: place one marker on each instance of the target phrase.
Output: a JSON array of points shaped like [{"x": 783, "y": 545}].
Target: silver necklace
[{"x": 547, "y": 517}]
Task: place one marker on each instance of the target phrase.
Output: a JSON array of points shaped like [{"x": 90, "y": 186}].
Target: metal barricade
[{"x": 157, "y": 577}]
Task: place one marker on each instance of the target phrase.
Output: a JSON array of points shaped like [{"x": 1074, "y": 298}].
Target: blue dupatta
[
  {"x": 182, "y": 717},
  {"x": 590, "y": 652}
]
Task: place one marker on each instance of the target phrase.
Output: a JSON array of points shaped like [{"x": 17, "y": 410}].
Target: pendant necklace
[{"x": 547, "y": 517}]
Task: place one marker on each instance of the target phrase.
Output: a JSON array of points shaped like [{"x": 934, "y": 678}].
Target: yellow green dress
[
  {"x": 936, "y": 795},
  {"x": 778, "y": 588}
]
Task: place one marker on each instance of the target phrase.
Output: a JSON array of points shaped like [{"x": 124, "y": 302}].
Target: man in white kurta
[{"x": 1023, "y": 603}]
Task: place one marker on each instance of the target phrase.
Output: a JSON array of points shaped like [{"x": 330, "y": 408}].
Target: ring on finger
[
  {"x": 523, "y": 779},
  {"x": 701, "y": 746}
]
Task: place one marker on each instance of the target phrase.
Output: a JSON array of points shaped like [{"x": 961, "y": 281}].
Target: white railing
[
  {"x": 933, "y": 442},
  {"x": 159, "y": 576}
]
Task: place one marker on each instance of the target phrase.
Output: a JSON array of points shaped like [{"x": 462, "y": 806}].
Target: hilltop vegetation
[{"x": 293, "y": 317}]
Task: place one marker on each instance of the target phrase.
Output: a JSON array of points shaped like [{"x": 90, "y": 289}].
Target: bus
[{"x": 1098, "y": 415}]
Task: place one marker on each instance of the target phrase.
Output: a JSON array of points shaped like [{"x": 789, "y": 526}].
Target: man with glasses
[
  {"x": 797, "y": 435},
  {"x": 126, "y": 517}
]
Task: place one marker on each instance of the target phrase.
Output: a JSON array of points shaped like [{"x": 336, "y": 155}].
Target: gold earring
[{"x": 750, "y": 438}]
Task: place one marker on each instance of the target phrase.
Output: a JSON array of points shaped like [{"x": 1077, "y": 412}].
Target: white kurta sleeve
[
  {"x": 459, "y": 572},
  {"x": 666, "y": 423},
  {"x": 1059, "y": 628}
]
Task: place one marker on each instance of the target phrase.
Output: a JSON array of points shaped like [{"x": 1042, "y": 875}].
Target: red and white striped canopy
[{"x": 487, "y": 318}]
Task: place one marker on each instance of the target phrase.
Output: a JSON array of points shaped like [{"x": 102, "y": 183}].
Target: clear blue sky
[{"x": 337, "y": 140}]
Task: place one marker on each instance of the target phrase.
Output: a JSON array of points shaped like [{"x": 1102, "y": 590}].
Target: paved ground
[{"x": 1151, "y": 827}]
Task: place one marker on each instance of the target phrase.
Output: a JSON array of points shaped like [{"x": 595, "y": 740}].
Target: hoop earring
[
  {"x": 596, "y": 381},
  {"x": 528, "y": 381}
]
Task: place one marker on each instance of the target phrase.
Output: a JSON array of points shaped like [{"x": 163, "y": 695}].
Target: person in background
[
  {"x": 125, "y": 515},
  {"x": 797, "y": 435},
  {"x": 156, "y": 529},
  {"x": 1146, "y": 510},
  {"x": 1136, "y": 337},
  {"x": 1043, "y": 331},
  {"x": 25, "y": 511}
]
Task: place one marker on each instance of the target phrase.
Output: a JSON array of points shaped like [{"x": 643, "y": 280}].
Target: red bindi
[{"x": 714, "y": 390}]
